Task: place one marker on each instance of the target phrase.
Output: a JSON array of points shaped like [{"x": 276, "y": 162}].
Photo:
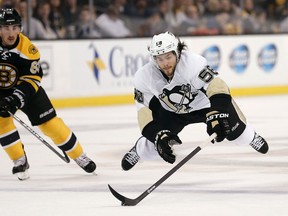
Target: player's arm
[
  {"x": 220, "y": 99},
  {"x": 162, "y": 139},
  {"x": 151, "y": 129},
  {"x": 27, "y": 85},
  {"x": 147, "y": 125},
  {"x": 30, "y": 81},
  {"x": 29, "y": 68},
  {"x": 145, "y": 103}
]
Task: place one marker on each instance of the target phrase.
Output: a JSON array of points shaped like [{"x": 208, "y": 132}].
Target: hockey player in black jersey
[
  {"x": 20, "y": 88},
  {"x": 177, "y": 88}
]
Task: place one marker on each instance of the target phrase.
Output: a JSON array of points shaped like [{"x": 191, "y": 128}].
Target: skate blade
[{"x": 22, "y": 176}]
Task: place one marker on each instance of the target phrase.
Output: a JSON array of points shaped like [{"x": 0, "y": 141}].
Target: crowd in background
[{"x": 75, "y": 19}]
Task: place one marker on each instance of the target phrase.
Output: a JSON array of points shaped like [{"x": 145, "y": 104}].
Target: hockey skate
[
  {"x": 259, "y": 144},
  {"x": 21, "y": 167},
  {"x": 85, "y": 163},
  {"x": 130, "y": 159}
]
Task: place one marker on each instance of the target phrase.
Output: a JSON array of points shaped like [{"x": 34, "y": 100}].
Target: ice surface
[{"x": 221, "y": 180}]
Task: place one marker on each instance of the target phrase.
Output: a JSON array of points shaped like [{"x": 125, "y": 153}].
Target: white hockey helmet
[{"x": 164, "y": 43}]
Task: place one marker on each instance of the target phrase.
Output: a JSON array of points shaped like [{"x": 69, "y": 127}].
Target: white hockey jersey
[{"x": 184, "y": 93}]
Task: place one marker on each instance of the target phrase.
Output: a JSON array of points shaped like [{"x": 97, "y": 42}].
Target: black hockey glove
[
  {"x": 164, "y": 144},
  {"x": 217, "y": 119},
  {"x": 218, "y": 122},
  {"x": 11, "y": 103}
]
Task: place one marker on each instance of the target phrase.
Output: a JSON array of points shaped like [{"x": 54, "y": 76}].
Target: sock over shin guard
[
  {"x": 62, "y": 136},
  {"x": 10, "y": 139}
]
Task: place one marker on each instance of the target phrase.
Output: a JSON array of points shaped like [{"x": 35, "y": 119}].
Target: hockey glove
[
  {"x": 218, "y": 122},
  {"x": 11, "y": 103},
  {"x": 164, "y": 144},
  {"x": 217, "y": 119}
]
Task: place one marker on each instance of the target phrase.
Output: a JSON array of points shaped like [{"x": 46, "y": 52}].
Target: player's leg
[
  {"x": 243, "y": 133},
  {"x": 41, "y": 113},
  {"x": 11, "y": 143},
  {"x": 143, "y": 149},
  {"x": 66, "y": 140}
]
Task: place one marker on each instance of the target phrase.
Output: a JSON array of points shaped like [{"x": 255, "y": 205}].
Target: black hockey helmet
[{"x": 9, "y": 16}]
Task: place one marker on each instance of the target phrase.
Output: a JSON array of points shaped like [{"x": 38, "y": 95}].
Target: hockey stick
[
  {"x": 132, "y": 202},
  {"x": 65, "y": 157}
]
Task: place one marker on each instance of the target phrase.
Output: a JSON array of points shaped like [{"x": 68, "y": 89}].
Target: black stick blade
[{"x": 124, "y": 200}]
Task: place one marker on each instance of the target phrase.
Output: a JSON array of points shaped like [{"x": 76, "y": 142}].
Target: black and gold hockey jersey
[{"x": 20, "y": 67}]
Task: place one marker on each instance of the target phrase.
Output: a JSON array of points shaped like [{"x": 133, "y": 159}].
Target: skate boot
[
  {"x": 21, "y": 167},
  {"x": 130, "y": 159},
  {"x": 85, "y": 163},
  {"x": 259, "y": 144}
]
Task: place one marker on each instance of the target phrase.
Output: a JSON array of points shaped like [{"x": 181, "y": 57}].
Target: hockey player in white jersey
[{"x": 175, "y": 89}]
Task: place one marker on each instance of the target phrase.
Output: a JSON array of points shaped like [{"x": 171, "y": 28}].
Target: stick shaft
[
  {"x": 178, "y": 166},
  {"x": 133, "y": 202}
]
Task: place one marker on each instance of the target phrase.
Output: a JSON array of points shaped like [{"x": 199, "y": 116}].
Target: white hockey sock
[
  {"x": 246, "y": 137},
  {"x": 146, "y": 149}
]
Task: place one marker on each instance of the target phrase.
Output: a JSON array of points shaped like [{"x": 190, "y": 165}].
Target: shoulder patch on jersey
[
  {"x": 27, "y": 49},
  {"x": 32, "y": 49},
  {"x": 138, "y": 96}
]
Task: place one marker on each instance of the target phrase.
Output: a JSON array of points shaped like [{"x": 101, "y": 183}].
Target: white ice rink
[{"x": 221, "y": 180}]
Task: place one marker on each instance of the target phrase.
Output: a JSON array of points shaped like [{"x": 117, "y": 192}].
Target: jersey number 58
[{"x": 207, "y": 74}]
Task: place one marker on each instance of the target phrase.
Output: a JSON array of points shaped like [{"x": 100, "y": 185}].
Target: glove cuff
[
  {"x": 161, "y": 134},
  {"x": 19, "y": 96},
  {"x": 220, "y": 101}
]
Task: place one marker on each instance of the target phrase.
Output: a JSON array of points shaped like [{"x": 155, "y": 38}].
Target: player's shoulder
[
  {"x": 27, "y": 48},
  {"x": 144, "y": 74},
  {"x": 192, "y": 62},
  {"x": 190, "y": 56},
  {"x": 145, "y": 71}
]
